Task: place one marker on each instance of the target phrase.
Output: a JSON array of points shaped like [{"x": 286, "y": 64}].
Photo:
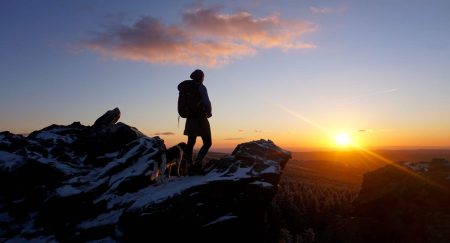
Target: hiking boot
[{"x": 196, "y": 169}]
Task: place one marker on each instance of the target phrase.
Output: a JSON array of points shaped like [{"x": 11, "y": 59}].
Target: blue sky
[{"x": 378, "y": 66}]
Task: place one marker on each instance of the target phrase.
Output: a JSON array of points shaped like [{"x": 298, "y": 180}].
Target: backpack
[{"x": 189, "y": 105}]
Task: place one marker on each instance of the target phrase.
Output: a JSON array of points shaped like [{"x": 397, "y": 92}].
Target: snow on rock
[
  {"x": 4, "y": 140},
  {"x": 418, "y": 166},
  {"x": 54, "y": 137},
  {"x": 40, "y": 239},
  {"x": 109, "y": 218},
  {"x": 11, "y": 142},
  {"x": 220, "y": 220},
  {"x": 105, "y": 182},
  {"x": 262, "y": 184},
  {"x": 67, "y": 190},
  {"x": 9, "y": 162},
  {"x": 5, "y": 218}
]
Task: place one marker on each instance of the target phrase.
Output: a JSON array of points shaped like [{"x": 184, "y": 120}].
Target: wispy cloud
[
  {"x": 371, "y": 130},
  {"x": 364, "y": 130},
  {"x": 241, "y": 130},
  {"x": 326, "y": 10},
  {"x": 321, "y": 10},
  {"x": 257, "y": 131},
  {"x": 206, "y": 36},
  {"x": 163, "y": 133}
]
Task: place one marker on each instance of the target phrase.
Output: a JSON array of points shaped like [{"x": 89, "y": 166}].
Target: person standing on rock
[{"x": 194, "y": 104}]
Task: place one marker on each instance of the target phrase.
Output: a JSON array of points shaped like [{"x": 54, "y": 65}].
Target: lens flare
[{"x": 342, "y": 139}]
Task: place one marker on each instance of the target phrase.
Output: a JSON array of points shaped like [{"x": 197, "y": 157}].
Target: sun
[{"x": 342, "y": 139}]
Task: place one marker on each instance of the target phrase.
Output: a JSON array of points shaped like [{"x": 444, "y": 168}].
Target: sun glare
[{"x": 342, "y": 139}]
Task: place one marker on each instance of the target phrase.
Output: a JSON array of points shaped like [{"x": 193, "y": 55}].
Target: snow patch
[
  {"x": 5, "y": 218},
  {"x": 418, "y": 166},
  {"x": 159, "y": 193},
  {"x": 262, "y": 184},
  {"x": 135, "y": 169},
  {"x": 221, "y": 219},
  {"x": 3, "y": 140},
  {"x": 54, "y": 138},
  {"x": 10, "y": 162},
  {"x": 66, "y": 169},
  {"x": 40, "y": 239},
  {"x": 67, "y": 190},
  {"x": 142, "y": 142},
  {"x": 111, "y": 155},
  {"x": 241, "y": 172},
  {"x": 29, "y": 228},
  {"x": 103, "y": 240},
  {"x": 110, "y": 218},
  {"x": 272, "y": 169}
]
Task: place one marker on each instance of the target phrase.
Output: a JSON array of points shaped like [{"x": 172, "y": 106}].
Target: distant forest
[
  {"x": 317, "y": 190},
  {"x": 308, "y": 201}
]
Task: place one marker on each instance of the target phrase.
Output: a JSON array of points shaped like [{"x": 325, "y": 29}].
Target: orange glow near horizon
[{"x": 343, "y": 139}]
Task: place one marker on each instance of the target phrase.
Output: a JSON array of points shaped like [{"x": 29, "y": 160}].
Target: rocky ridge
[{"x": 80, "y": 183}]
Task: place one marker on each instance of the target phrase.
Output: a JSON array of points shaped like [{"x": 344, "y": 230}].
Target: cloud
[
  {"x": 257, "y": 131},
  {"x": 243, "y": 27},
  {"x": 327, "y": 10},
  {"x": 371, "y": 130},
  {"x": 163, "y": 133},
  {"x": 241, "y": 130},
  {"x": 204, "y": 37},
  {"x": 233, "y": 138},
  {"x": 321, "y": 10},
  {"x": 365, "y": 130}
]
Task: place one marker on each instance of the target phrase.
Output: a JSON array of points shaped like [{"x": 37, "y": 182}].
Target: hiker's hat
[{"x": 197, "y": 74}]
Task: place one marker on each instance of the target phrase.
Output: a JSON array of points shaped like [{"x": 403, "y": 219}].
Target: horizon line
[{"x": 327, "y": 149}]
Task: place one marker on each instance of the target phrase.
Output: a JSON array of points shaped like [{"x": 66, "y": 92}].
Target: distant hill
[
  {"x": 413, "y": 155},
  {"x": 346, "y": 168}
]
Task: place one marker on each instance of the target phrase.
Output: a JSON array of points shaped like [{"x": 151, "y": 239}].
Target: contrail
[
  {"x": 303, "y": 118},
  {"x": 372, "y": 94},
  {"x": 383, "y": 91}
]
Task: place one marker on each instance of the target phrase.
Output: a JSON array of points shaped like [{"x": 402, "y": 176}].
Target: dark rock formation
[
  {"x": 407, "y": 202},
  {"x": 108, "y": 119},
  {"x": 79, "y": 183}
]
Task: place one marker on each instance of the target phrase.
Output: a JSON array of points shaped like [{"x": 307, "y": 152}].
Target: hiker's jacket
[{"x": 206, "y": 103}]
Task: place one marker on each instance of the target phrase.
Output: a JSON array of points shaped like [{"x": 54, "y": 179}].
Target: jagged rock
[
  {"x": 79, "y": 183},
  {"x": 11, "y": 142},
  {"x": 231, "y": 197},
  {"x": 108, "y": 119},
  {"x": 106, "y": 139}
]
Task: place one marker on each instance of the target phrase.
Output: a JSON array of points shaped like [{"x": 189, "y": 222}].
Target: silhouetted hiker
[{"x": 194, "y": 104}]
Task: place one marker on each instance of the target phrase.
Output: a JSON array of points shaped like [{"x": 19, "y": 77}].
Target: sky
[{"x": 296, "y": 72}]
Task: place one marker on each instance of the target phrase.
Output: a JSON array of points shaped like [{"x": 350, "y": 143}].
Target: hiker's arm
[{"x": 205, "y": 100}]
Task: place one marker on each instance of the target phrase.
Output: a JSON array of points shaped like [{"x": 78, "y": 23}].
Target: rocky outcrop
[
  {"x": 108, "y": 119},
  {"x": 405, "y": 202},
  {"x": 79, "y": 183}
]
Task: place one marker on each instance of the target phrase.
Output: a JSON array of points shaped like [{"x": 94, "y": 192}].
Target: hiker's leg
[
  {"x": 189, "y": 148},
  {"x": 207, "y": 142}
]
